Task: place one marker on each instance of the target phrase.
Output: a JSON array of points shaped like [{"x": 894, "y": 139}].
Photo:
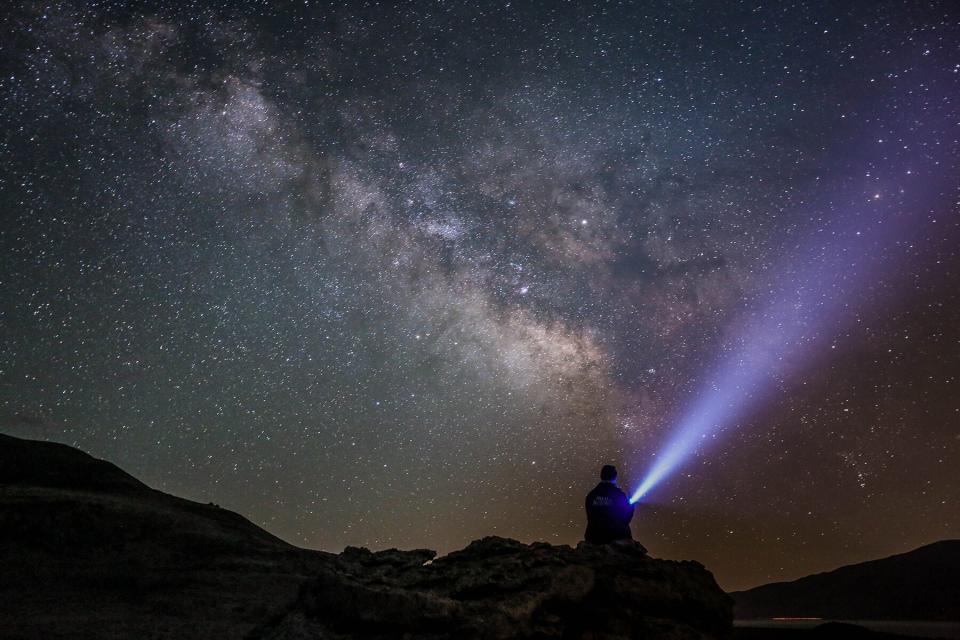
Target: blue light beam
[{"x": 825, "y": 285}]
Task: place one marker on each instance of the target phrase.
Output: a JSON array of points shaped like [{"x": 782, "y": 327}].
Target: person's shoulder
[
  {"x": 602, "y": 489},
  {"x": 608, "y": 489}
]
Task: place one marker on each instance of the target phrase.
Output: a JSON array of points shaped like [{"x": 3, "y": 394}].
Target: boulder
[{"x": 497, "y": 588}]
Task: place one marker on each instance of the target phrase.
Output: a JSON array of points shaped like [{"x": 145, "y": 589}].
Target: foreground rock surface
[
  {"x": 87, "y": 551},
  {"x": 501, "y": 588}
]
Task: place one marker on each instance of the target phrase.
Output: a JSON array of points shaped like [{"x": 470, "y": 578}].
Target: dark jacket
[{"x": 608, "y": 514}]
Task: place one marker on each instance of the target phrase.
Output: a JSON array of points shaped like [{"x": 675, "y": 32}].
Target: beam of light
[
  {"x": 825, "y": 284},
  {"x": 769, "y": 344}
]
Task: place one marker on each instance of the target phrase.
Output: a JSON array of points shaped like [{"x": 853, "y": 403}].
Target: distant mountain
[
  {"x": 51, "y": 476},
  {"x": 923, "y": 584},
  {"x": 88, "y": 551},
  {"x": 49, "y": 464}
]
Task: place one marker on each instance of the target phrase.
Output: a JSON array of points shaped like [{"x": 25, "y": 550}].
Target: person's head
[{"x": 608, "y": 473}]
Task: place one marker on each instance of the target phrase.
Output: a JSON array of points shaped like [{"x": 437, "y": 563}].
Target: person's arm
[{"x": 627, "y": 509}]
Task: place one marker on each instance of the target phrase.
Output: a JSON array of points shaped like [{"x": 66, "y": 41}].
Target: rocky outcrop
[{"x": 500, "y": 588}]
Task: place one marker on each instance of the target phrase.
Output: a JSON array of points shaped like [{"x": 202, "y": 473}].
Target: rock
[{"x": 499, "y": 588}]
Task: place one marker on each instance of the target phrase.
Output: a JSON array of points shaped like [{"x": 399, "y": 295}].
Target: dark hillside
[
  {"x": 34, "y": 463},
  {"x": 88, "y": 551},
  {"x": 923, "y": 584}
]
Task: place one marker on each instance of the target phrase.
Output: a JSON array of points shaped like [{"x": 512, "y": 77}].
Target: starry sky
[{"x": 407, "y": 274}]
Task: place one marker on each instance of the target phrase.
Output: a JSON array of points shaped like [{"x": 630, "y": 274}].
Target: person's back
[{"x": 608, "y": 510}]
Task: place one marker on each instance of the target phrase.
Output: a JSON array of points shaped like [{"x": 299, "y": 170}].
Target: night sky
[{"x": 406, "y": 275}]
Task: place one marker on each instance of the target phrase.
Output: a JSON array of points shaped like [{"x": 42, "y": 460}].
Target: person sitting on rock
[{"x": 608, "y": 510}]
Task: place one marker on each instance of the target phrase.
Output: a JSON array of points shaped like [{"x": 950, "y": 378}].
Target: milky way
[{"x": 408, "y": 276}]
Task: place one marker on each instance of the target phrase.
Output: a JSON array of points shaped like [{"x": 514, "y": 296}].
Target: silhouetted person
[{"x": 608, "y": 510}]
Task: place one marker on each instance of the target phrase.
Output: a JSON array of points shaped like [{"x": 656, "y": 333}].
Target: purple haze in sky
[{"x": 821, "y": 286}]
